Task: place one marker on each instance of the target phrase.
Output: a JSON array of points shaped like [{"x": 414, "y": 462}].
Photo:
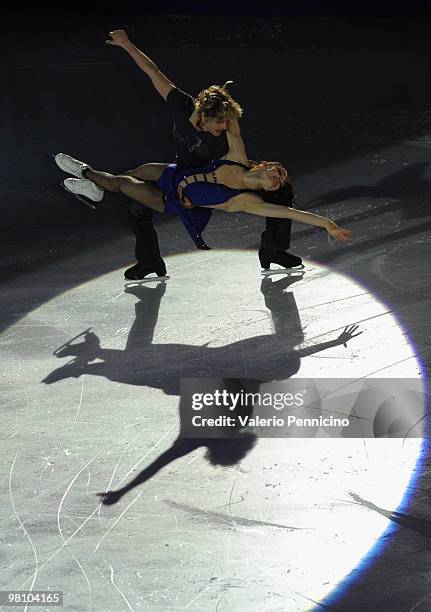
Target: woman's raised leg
[
  {"x": 141, "y": 191},
  {"x": 147, "y": 172}
]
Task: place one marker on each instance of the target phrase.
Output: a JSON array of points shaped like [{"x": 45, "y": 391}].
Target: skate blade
[
  {"x": 78, "y": 197},
  {"x": 298, "y": 271},
  {"x": 143, "y": 281}
]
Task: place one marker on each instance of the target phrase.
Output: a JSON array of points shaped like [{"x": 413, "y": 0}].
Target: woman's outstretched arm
[
  {"x": 256, "y": 206},
  {"x": 162, "y": 84}
]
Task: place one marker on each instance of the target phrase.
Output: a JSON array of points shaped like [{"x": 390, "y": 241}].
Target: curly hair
[{"x": 216, "y": 103}]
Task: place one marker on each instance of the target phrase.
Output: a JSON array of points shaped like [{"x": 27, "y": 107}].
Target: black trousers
[
  {"x": 277, "y": 234},
  {"x": 275, "y": 237},
  {"x": 147, "y": 248}
]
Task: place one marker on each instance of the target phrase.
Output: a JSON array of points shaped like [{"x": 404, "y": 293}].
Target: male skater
[{"x": 200, "y": 137}]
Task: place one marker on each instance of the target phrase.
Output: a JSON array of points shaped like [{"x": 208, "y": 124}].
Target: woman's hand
[
  {"x": 118, "y": 38},
  {"x": 339, "y": 233},
  {"x": 347, "y": 334}
]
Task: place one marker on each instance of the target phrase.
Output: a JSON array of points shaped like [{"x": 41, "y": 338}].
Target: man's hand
[
  {"x": 118, "y": 38},
  {"x": 185, "y": 202}
]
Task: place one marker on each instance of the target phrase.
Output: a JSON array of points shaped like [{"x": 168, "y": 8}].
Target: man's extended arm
[
  {"x": 237, "y": 150},
  {"x": 160, "y": 81}
]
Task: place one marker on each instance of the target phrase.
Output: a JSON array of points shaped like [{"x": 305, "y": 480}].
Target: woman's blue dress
[{"x": 201, "y": 194}]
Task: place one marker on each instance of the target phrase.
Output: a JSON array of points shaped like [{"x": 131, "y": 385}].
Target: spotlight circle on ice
[{"x": 112, "y": 379}]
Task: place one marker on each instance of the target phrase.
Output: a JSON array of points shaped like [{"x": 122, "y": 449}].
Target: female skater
[
  {"x": 228, "y": 184},
  {"x": 200, "y": 137}
]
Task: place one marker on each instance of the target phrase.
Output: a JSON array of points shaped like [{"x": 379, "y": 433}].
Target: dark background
[
  {"x": 300, "y": 8},
  {"x": 316, "y": 88}
]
